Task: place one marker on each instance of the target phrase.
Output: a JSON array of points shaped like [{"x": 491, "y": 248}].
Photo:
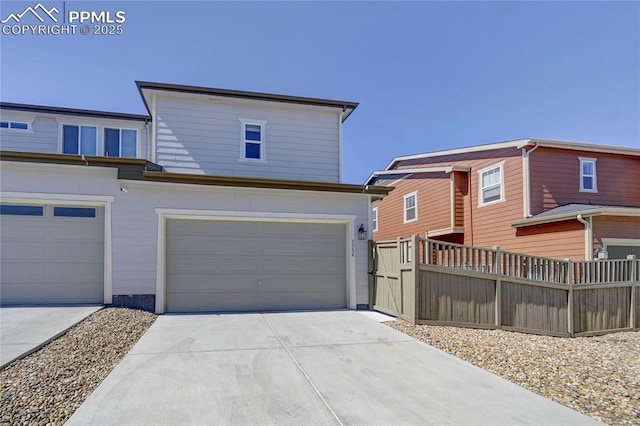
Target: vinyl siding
[
  {"x": 135, "y": 222},
  {"x": 204, "y": 137},
  {"x": 614, "y": 227},
  {"x": 563, "y": 240},
  {"x": 484, "y": 225},
  {"x": 44, "y": 135},
  {"x": 433, "y": 207},
  {"x": 555, "y": 179}
]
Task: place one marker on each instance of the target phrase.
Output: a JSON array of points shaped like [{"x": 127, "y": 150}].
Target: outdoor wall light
[{"x": 362, "y": 232}]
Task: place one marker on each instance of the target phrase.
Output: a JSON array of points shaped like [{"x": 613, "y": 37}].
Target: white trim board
[{"x": 190, "y": 214}]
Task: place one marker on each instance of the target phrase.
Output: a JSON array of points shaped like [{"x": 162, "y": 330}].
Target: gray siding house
[{"x": 217, "y": 200}]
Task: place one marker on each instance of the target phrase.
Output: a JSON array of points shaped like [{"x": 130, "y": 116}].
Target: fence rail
[{"x": 435, "y": 282}]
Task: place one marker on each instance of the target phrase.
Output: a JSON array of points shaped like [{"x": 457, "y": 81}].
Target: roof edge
[
  {"x": 183, "y": 178},
  {"x": 72, "y": 111},
  {"x": 212, "y": 91},
  {"x": 606, "y": 211},
  {"x": 521, "y": 143}
]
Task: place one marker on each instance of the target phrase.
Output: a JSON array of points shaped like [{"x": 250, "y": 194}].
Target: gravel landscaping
[
  {"x": 597, "y": 376},
  {"x": 49, "y": 385}
]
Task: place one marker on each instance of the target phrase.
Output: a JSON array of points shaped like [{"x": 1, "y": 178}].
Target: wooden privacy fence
[{"x": 433, "y": 282}]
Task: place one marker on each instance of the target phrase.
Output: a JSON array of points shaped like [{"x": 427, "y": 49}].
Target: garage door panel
[
  {"x": 226, "y": 301},
  {"x": 29, "y": 230},
  {"x": 48, "y": 259},
  {"x": 242, "y": 266}
]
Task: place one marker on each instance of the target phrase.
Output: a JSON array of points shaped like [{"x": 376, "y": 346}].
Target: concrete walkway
[
  {"x": 26, "y": 329},
  {"x": 303, "y": 368}
]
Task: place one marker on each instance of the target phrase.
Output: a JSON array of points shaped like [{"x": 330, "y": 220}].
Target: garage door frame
[
  {"x": 100, "y": 201},
  {"x": 224, "y": 215}
]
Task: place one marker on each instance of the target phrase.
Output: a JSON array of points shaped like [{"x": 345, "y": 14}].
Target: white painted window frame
[
  {"x": 74, "y": 200},
  {"x": 99, "y": 146},
  {"x": 244, "y": 122},
  {"x": 120, "y": 129},
  {"x": 584, "y": 160},
  {"x": 374, "y": 222},
  {"x": 188, "y": 214},
  {"x": 404, "y": 207},
  {"x": 17, "y": 117},
  {"x": 100, "y": 125},
  {"x": 11, "y": 129},
  {"x": 481, "y": 202}
]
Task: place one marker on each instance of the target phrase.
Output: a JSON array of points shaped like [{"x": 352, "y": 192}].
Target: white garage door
[
  {"x": 51, "y": 254},
  {"x": 216, "y": 265}
]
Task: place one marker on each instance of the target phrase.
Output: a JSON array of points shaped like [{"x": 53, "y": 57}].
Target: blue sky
[{"x": 428, "y": 75}]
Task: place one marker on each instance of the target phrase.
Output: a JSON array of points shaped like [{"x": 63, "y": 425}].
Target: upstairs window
[
  {"x": 81, "y": 140},
  {"x": 120, "y": 143},
  {"x": 374, "y": 219},
  {"x": 410, "y": 207},
  {"x": 491, "y": 185},
  {"x": 14, "y": 125},
  {"x": 588, "y": 175},
  {"x": 253, "y": 140}
]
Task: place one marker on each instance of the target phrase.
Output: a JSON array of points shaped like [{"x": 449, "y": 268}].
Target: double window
[
  {"x": 588, "y": 175},
  {"x": 411, "y": 207},
  {"x": 83, "y": 140},
  {"x": 491, "y": 184},
  {"x": 14, "y": 125},
  {"x": 253, "y": 140},
  {"x": 79, "y": 140},
  {"x": 120, "y": 143}
]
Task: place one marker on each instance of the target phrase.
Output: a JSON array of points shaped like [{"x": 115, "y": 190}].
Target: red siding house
[{"x": 545, "y": 198}]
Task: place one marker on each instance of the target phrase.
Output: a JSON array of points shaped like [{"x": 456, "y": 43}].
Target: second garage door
[
  {"x": 214, "y": 265},
  {"x": 51, "y": 254}
]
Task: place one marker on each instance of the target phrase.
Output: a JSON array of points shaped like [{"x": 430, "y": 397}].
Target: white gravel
[
  {"x": 48, "y": 386},
  {"x": 597, "y": 376}
]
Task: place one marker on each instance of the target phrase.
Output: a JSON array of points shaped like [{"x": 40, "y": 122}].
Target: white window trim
[
  {"x": 29, "y": 128},
  {"x": 99, "y": 145},
  {"x": 263, "y": 142},
  {"x": 120, "y": 129},
  {"x": 375, "y": 227},
  {"x": 502, "y": 199},
  {"x": 19, "y": 117},
  {"x": 404, "y": 207},
  {"x": 101, "y": 125},
  {"x": 595, "y": 175}
]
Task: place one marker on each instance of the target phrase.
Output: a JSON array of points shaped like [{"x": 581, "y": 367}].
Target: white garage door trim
[
  {"x": 164, "y": 214},
  {"x": 76, "y": 200}
]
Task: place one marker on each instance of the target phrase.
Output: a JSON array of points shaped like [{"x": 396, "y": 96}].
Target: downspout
[
  {"x": 588, "y": 241},
  {"x": 469, "y": 179},
  {"x": 154, "y": 119},
  {"x": 344, "y": 109},
  {"x": 526, "y": 181}
]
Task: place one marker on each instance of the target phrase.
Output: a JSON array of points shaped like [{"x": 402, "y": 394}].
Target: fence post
[
  {"x": 415, "y": 266},
  {"x": 372, "y": 277},
  {"x": 634, "y": 292},
  {"x": 570, "y": 325},
  {"x": 498, "y": 295}
]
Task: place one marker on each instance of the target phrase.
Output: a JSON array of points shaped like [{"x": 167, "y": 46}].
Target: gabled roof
[
  {"x": 518, "y": 144},
  {"x": 347, "y": 106},
  {"x": 572, "y": 211},
  {"x": 72, "y": 111}
]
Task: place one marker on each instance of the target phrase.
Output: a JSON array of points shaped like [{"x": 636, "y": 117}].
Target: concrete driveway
[
  {"x": 302, "y": 368},
  {"x": 25, "y": 329}
]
